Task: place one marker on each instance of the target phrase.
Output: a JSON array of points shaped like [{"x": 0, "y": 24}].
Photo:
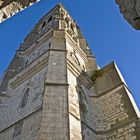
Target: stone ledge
[
  {"x": 56, "y": 84},
  {"x": 29, "y": 73}
]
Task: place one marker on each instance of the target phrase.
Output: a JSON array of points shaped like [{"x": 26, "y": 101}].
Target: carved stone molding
[{"x": 10, "y": 7}]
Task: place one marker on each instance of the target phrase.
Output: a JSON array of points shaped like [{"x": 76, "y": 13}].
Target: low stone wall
[{"x": 118, "y": 116}]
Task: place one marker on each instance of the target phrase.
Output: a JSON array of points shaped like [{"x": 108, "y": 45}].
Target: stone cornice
[
  {"x": 29, "y": 72},
  {"x": 37, "y": 44},
  {"x": 40, "y": 41},
  {"x": 56, "y": 84},
  {"x": 114, "y": 89}
]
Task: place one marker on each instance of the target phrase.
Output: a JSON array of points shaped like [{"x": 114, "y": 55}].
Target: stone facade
[
  {"x": 10, "y": 7},
  {"x": 53, "y": 89},
  {"x": 131, "y": 11}
]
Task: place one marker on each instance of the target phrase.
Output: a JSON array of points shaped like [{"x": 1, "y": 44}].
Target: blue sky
[{"x": 108, "y": 34}]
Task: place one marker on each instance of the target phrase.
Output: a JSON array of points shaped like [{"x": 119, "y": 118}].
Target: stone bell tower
[{"x": 53, "y": 89}]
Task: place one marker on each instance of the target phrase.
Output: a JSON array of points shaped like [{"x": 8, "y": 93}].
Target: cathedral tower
[{"x": 53, "y": 89}]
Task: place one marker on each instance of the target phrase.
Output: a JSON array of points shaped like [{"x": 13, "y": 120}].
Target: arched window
[
  {"x": 75, "y": 58},
  {"x": 25, "y": 98}
]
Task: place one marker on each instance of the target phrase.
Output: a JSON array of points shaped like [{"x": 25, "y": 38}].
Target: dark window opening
[
  {"x": 50, "y": 19},
  {"x": 49, "y": 45},
  {"x": 26, "y": 62},
  {"x": 44, "y": 24},
  {"x": 25, "y": 98},
  {"x": 4, "y": 16},
  {"x": 137, "y": 18},
  {"x": 72, "y": 27}
]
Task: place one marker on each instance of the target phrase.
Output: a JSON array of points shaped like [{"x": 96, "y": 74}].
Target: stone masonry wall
[
  {"x": 74, "y": 110},
  {"x": 12, "y": 112},
  {"x": 55, "y": 119},
  {"x": 62, "y": 102},
  {"x": 25, "y": 129},
  {"x": 118, "y": 114},
  {"x": 32, "y": 76}
]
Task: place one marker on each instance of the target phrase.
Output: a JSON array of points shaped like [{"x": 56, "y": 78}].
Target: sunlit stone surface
[{"x": 10, "y": 7}]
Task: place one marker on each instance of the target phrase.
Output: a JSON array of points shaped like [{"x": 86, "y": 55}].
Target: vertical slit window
[
  {"x": 44, "y": 24},
  {"x": 25, "y": 98},
  {"x": 50, "y": 19}
]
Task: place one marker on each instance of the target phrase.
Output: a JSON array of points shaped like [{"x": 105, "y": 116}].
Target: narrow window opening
[
  {"x": 72, "y": 27},
  {"x": 49, "y": 45},
  {"x": 50, "y": 19},
  {"x": 25, "y": 98},
  {"x": 26, "y": 62},
  {"x": 44, "y": 24}
]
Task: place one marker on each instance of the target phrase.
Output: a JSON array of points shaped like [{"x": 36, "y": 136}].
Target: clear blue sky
[{"x": 108, "y": 34}]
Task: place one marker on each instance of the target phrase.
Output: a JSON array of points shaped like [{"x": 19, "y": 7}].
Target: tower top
[{"x": 58, "y": 18}]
